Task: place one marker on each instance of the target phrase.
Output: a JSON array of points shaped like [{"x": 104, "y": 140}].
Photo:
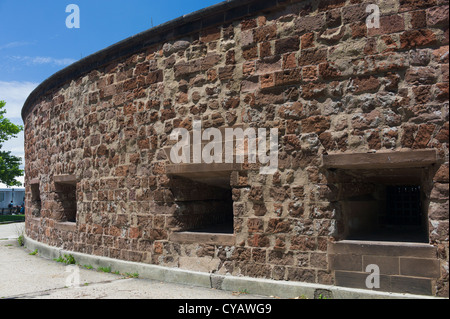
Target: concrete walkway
[
  {"x": 28, "y": 276},
  {"x": 25, "y": 275}
]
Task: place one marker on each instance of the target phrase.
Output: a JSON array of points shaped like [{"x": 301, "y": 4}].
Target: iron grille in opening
[{"x": 403, "y": 205}]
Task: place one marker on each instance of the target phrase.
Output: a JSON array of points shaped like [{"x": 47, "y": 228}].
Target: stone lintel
[
  {"x": 65, "y": 179},
  {"x": 34, "y": 181},
  {"x": 395, "y": 159}
]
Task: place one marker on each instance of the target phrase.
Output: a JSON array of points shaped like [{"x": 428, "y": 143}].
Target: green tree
[{"x": 9, "y": 164}]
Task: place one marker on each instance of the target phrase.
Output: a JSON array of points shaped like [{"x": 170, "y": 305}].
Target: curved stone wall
[{"x": 340, "y": 94}]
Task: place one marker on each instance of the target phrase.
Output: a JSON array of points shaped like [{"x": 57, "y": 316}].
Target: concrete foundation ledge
[{"x": 265, "y": 287}]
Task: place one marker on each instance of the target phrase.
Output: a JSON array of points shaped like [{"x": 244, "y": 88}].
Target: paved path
[{"x": 31, "y": 276}]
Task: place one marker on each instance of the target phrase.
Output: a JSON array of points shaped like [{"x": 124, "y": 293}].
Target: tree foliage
[{"x": 9, "y": 164}]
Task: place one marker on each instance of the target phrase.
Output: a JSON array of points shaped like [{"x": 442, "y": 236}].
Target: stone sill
[
  {"x": 66, "y": 226},
  {"x": 35, "y": 219},
  {"x": 203, "y": 238},
  {"x": 383, "y": 248}
]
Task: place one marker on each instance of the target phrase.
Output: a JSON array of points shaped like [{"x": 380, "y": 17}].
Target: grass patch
[
  {"x": 20, "y": 240},
  {"x": 104, "y": 269},
  {"x": 12, "y": 218},
  {"x": 67, "y": 259},
  {"x": 35, "y": 252}
]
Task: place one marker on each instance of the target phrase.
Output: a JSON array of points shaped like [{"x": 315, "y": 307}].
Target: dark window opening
[
  {"x": 35, "y": 200},
  {"x": 67, "y": 199},
  {"x": 204, "y": 206},
  {"x": 403, "y": 206},
  {"x": 383, "y": 205}
]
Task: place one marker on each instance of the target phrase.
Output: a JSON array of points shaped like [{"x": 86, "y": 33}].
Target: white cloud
[
  {"x": 14, "y": 94},
  {"x": 39, "y": 60},
  {"x": 15, "y": 44},
  {"x": 20, "y": 179}
]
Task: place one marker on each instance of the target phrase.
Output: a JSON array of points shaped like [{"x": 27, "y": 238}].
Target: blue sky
[{"x": 35, "y": 42}]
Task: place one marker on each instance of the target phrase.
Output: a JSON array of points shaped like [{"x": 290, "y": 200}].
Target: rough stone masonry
[{"x": 99, "y": 181}]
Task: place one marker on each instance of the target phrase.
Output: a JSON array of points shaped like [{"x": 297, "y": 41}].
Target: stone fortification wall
[{"x": 96, "y": 132}]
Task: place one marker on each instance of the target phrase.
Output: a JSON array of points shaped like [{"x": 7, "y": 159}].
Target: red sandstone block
[
  {"x": 312, "y": 56},
  {"x": 423, "y": 136},
  {"x": 255, "y": 225},
  {"x": 301, "y": 274},
  {"x": 333, "y": 18},
  {"x": 258, "y": 240},
  {"x": 267, "y": 80},
  {"x": 443, "y": 134},
  {"x": 265, "y": 33},
  {"x": 354, "y": 13},
  {"x": 365, "y": 84},
  {"x": 286, "y": 45},
  {"x": 280, "y": 194},
  {"x": 265, "y": 49},
  {"x": 278, "y": 225},
  {"x": 129, "y": 109},
  {"x": 248, "y": 24},
  {"x": 440, "y": 191},
  {"x": 255, "y": 194},
  {"x": 269, "y": 65},
  {"x": 291, "y": 111},
  {"x": 307, "y": 40},
  {"x": 326, "y": 5},
  {"x": 418, "y": 19},
  {"x": 289, "y": 61},
  {"x": 328, "y": 71},
  {"x": 158, "y": 234},
  {"x": 155, "y": 77},
  {"x": 287, "y": 77},
  {"x": 310, "y": 23},
  {"x": 445, "y": 72},
  {"x": 359, "y": 29},
  {"x": 417, "y": 38},
  {"x": 226, "y": 73},
  {"x": 278, "y": 257},
  {"x": 420, "y": 75},
  {"x": 248, "y": 68},
  {"x": 439, "y": 211},
  {"x": 134, "y": 232},
  {"x": 130, "y": 84},
  {"x": 259, "y": 209},
  {"x": 419, "y": 267},
  {"x": 388, "y": 24},
  {"x": 230, "y": 57},
  {"x": 210, "y": 35},
  {"x": 250, "y": 53},
  {"x": 158, "y": 247},
  {"x": 408, "y": 5},
  {"x": 442, "y": 92},
  {"x": 303, "y": 243},
  {"x": 438, "y": 16},
  {"x": 442, "y": 175},
  {"x": 316, "y": 124},
  {"x": 142, "y": 69},
  {"x": 313, "y": 90},
  {"x": 296, "y": 209},
  {"x": 441, "y": 55}
]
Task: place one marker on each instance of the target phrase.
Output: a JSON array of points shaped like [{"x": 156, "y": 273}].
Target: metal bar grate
[{"x": 403, "y": 205}]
